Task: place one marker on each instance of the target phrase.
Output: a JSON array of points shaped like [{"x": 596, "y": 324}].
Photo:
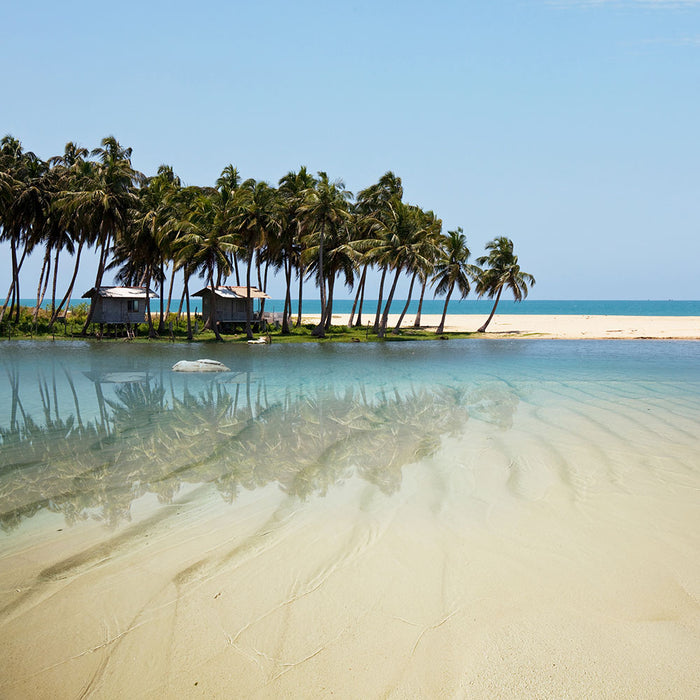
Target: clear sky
[{"x": 571, "y": 126}]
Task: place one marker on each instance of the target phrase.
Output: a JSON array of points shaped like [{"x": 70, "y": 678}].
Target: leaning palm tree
[
  {"x": 500, "y": 270},
  {"x": 452, "y": 270}
]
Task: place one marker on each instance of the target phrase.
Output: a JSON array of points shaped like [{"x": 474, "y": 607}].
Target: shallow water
[{"x": 424, "y": 509}]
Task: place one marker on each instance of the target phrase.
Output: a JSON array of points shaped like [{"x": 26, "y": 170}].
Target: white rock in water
[{"x": 200, "y": 366}]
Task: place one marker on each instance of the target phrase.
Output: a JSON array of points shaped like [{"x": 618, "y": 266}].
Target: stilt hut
[
  {"x": 119, "y": 304},
  {"x": 231, "y": 303}
]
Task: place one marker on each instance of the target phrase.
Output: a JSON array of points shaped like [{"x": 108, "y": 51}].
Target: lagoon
[{"x": 491, "y": 518}]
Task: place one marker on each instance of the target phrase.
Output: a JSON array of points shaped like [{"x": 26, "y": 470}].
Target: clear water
[
  {"x": 477, "y": 518},
  {"x": 87, "y": 428}
]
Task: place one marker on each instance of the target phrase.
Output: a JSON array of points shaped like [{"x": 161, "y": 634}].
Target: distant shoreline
[{"x": 476, "y": 307}]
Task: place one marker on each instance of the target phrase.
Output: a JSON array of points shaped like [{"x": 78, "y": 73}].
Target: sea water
[
  {"x": 459, "y": 517},
  {"x": 83, "y": 423},
  {"x": 566, "y": 307}
]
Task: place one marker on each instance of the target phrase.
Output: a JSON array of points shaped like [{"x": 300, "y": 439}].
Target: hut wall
[
  {"x": 111, "y": 310},
  {"x": 227, "y": 310}
]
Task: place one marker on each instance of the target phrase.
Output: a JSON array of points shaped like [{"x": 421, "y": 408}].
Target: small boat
[
  {"x": 259, "y": 341},
  {"x": 203, "y": 365}
]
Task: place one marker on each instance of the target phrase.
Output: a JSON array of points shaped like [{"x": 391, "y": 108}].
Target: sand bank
[
  {"x": 504, "y": 567},
  {"x": 573, "y": 327}
]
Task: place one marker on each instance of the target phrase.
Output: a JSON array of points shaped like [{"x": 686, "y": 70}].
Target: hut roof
[
  {"x": 227, "y": 292},
  {"x": 120, "y": 293}
]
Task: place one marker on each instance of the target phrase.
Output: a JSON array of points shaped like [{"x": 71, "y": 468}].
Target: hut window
[{"x": 133, "y": 305}]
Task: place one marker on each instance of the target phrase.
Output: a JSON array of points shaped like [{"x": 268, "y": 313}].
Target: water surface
[{"x": 457, "y": 517}]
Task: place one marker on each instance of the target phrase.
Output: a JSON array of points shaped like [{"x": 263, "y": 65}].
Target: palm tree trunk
[
  {"x": 170, "y": 292},
  {"x": 408, "y": 301},
  {"x": 212, "y": 321},
  {"x": 301, "y": 291},
  {"x": 47, "y": 257},
  {"x": 441, "y": 327},
  {"x": 7, "y": 299},
  {"x": 248, "y": 301},
  {"x": 329, "y": 306},
  {"x": 66, "y": 298},
  {"x": 187, "y": 298},
  {"x": 55, "y": 280},
  {"x": 385, "y": 315},
  {"x": 40, "y": 299},
  {"x": 263, "y": 288},
  {"x": 235, "y": 267},
  {"x": 493, "y": 311},
  {"x": 149, "y": 317},
  {"x": 375, "y": 328},
  {"x": 319, "y": 331},
  {"x": 360, "y": 288},
  {"x": 358, "y": 322},
  {"x": 161, "y": 320},
  {"x": 286, "y": 314},
  {"x": 416, "y": 323},
  {"x": 98, "y": 282},
  {"x": 15, "y": 295}
]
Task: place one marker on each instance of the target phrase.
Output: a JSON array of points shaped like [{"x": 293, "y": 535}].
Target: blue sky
[{"x": 570, "y": 126}]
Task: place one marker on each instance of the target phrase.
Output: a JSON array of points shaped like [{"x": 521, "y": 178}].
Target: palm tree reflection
[{"x": 145, "y": 438}]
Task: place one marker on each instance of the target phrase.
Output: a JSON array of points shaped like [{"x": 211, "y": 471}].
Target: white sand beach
[{"x": 563, "y": 326}]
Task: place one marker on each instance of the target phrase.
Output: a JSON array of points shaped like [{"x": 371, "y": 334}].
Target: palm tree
[
  {"x": 226, "y": 184},
  {"x": 431, "y": 249},
  {"x": 257, "y": 220},
  {"x": 501, "y": 272},
  {"x": 326, "y": 206},
  {"x": 374, "y": 218},
  {"x": 452, "y": 270},
  {"x": 205, "y": 243},
  {"x": 63, "y": 233},
  {"x": 105, "y": 202},
  {"x": 25, "y": 210},
  {"x": 401, "y": 248},
  {"x": 292, "y": 189}
]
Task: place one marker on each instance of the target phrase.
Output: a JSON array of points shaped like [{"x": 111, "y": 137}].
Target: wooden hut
[
  {"x": 119, "y": 304},
  {"x": 231, "y": 303}
]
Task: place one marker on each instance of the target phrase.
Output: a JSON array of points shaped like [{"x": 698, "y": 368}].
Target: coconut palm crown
[
  {"x": 500, "y": 270},
  {"x": 452, "y": 270}
]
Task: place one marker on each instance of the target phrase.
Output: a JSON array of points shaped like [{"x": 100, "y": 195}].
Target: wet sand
[
  {"x": 505, "y": 566},
  {"x": 564, "y": 326}
]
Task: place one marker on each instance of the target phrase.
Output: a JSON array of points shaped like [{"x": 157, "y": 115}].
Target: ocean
[
  {"x": 651, "y": 307},
  {"x": 381, "y": 517}
]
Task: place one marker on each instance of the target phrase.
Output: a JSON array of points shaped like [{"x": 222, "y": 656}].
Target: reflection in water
[{"x": 146, "y": 434}]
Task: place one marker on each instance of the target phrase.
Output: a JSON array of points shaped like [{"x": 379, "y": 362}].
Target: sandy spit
[{"x": 564, "y": 326}]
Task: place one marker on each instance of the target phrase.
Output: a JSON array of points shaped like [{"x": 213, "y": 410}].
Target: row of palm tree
[{"x": 148, "y": 229}]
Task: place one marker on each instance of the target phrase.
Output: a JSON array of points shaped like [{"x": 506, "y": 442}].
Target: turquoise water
[
  {"x": 86, "y": 428},
  {"x": 653, "y": 307},
  {"x": 472, "y": 518}
]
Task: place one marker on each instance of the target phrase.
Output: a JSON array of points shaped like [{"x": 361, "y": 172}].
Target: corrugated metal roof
[
  {"x": 120, "y": 293},
  {"x": 228, "y": 292}
]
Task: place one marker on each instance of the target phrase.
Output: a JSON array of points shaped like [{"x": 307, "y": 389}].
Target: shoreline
[
  {"x": 562, "y": 327},
  {"x": 523, "y": 326}
]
